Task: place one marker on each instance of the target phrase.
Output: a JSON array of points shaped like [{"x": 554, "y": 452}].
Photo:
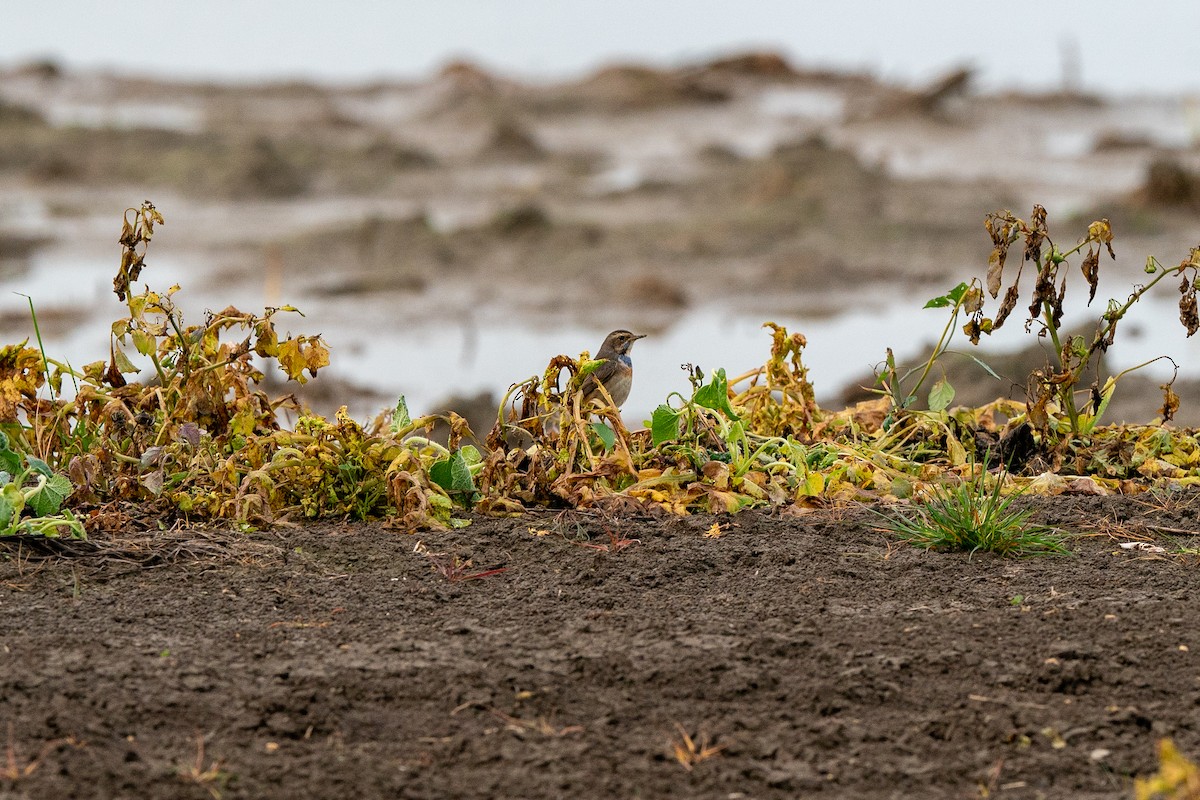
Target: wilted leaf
[
  {"x": 266, "y": 340},
  {"x": 973, "y": 330},
  {"x": 1035, "y": 234},
  {"x": 1170, "y": 403},
  {"x": 995, "y": 273},
  {"x": 813, "y": 485},
  {"x": 190, "y": 432},
  {"x": 302, "y": 353},
  {"x": 972, "y": 300},
  {"x": 1006, "y": 305},
  {"x": 1091, "y": 272},
  {"x": 153, "y": 481},
  {"x": 21, "y": 373},
  {"x": 1187, "y": 307},
  {"x": 1177, "y": 777},
  {"x": 1101, "y": 231}
]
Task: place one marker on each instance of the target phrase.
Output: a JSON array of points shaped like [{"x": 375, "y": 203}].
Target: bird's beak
[{"x": 637, "y": 336}]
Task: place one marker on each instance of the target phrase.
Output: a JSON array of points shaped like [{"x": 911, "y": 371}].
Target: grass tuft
[{"x": 972, "y": 517}]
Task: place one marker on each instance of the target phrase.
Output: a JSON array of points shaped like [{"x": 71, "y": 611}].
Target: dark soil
[{"x": 333, "y": 661}]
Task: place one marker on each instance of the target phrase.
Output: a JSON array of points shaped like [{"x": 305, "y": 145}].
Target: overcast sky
[{"x": 1123, "y": 46}]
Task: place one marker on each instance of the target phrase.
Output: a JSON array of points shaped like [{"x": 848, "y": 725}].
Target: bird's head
[{"x": 619, "y": 343}]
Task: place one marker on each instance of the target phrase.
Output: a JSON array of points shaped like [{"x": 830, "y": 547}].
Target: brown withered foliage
[
  {"x": 1187, "y": 306},
  {"x": 1170, "y": 402},
  {"x": 1059, "y": 383},
  {"x": 137, "y": 230},
  {"x": 783, "y": 404}
]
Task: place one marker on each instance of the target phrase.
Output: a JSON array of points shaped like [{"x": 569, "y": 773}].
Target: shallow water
[{"x": 374, "y": 347}]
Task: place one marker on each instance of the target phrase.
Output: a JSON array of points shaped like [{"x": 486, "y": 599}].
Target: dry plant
[
  {"x": 14, "y": 770},
  {"x": 453, "y": 567},
  {"x": 689, "y": 752},
  {"x": 211, "y": 777},
  {"x": 540, "y": 725}
]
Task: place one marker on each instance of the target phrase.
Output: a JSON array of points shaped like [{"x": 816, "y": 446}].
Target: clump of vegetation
[
  {"x": 1056, "y": 387},
  {"x": 201, "y": 438},
  {"x": 972, "y": 516},
  {"x": 31, "y": 497}
]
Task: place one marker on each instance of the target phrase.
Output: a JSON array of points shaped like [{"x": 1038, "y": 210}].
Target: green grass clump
[{"x": 971, "y": 517}]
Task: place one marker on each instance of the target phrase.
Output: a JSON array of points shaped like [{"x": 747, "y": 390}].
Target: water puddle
[{"x": 375, "y": 347}]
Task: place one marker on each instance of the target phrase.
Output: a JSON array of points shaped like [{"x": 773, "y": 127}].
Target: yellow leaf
[
  {"x": 21, "y": 373},
  {"x": 266, "y": 342},
  {"x": 302, "y": 353},
  {"x": 813, "y": 486},
  {"x": 714, "y": 532}
]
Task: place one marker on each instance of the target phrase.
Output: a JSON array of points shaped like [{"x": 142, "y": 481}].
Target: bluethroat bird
[{"x": 616, "y": 373}]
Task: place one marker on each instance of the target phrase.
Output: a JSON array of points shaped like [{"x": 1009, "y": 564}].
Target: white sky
[{"x": 1124, "y": 46}]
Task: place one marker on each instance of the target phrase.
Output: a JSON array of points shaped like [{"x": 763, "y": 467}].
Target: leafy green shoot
[{"x": 972, "y": 517}]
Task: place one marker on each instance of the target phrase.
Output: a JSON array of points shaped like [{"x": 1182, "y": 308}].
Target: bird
[{"x": 616, "y": 373}]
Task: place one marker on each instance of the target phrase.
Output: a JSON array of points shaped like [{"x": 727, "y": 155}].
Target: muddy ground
[{"x": 821, "y": 658}]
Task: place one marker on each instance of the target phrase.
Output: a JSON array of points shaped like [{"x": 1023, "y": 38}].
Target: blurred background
[{"x": 455, "y": 192}]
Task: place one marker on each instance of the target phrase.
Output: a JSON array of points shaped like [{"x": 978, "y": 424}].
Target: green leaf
[
  {"x": 143, "y": 341},
  {"x": 950, "y": 298},
  {"x": 471, "y": 455},
  {"x": 606, "y": 434},
  {"x": 715, "y": 395},
  {"x": 454, "y": 476},
  {"x": 400, "y": 417},
  {"x": 124, "y": 365},
  {"x": 986, "y": 368},
  {"x": 439, "y": 473},
  {"x": 4, "y": 441},
  {"x": 460, "y": 474},
  {"x": 664, "y": 425},
  {"x": 10, "y": 462},
  {"x": 48, "y": 498},
  {"x": 941, "y": 395},
  {"x": 588, "y": 367},
  {"x": 39, "y": 466}
]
